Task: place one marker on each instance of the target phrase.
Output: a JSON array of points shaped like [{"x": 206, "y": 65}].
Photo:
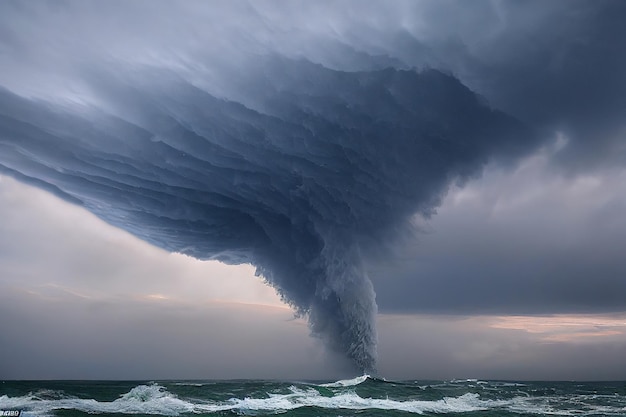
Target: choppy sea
[{"x": 362, "y": 396}]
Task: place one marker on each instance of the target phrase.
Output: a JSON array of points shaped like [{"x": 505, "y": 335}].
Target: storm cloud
[{"x": 300, "y": 140}]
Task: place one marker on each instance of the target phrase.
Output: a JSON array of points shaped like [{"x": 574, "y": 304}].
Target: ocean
[{"x": 362, "y": 396}]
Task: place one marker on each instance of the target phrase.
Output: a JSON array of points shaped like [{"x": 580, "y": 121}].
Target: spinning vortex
[{"x": 302, "y": 181}]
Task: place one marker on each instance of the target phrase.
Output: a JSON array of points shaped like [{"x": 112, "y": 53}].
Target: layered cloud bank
[{"x": 299, "y": 140}]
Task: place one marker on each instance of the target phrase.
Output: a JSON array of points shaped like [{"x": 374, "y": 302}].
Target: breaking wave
[
  {"x": 155, "y": 399},
  {"x": 143, "y": 399},
  {"x": 347, "y": 382},
  {"x": 356, "y": 394}
]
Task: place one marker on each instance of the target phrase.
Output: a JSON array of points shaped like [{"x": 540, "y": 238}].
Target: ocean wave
[
  {"x": 299, "y": 398},
  {"x": 142, "y": 399},
  {"x": 155, "y": 399},
  {"x": 347, "y": 382}
]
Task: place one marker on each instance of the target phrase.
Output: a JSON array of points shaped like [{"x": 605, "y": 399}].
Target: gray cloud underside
[{"x": 240, "y": 146}]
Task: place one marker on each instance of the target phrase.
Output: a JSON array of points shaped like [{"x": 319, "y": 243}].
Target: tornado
[{"x": 235, "y": 149}]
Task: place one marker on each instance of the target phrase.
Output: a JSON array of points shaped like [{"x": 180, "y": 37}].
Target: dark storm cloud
[
  {"x": 338, "y": 161},
  {"x": 556, "y": 65},
  {"x": 213, "y": 129}
]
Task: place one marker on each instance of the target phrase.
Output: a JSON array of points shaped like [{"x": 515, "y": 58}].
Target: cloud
[
  {"x": 299, "y": 191},
  {"x": 299, "y": 140},
  {"x": 532, "y": 240},
  {"x": 557, "y": 66},
  {"x": 78, "y": 254}
]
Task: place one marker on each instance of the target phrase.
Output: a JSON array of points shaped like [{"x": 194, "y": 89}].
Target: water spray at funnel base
[{"x": 342, "y": 309}]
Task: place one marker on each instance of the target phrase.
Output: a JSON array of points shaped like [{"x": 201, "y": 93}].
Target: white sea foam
[
  {"x": 349, "y": 400},
  {"x": 155, "y": 399},
  {"x": 347, "y": 382},
  {"x": 580, "y": 405},
  {"x": 143, "y": 399}
]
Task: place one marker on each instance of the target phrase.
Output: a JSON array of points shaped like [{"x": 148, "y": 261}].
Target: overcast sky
[{"x": 438, "y": 188}]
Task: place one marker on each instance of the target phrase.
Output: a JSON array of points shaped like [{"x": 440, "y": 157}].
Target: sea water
[{"x": 362, "y": 396}]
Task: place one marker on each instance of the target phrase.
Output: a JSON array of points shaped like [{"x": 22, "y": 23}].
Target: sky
[{"x": 425, "y": 190}]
